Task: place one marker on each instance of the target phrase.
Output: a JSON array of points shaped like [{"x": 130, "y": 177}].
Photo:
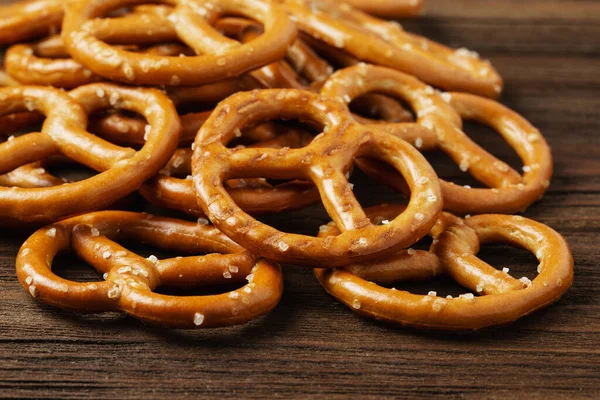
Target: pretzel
[
  {"x": 388, "y": 8},
  {"x": 254, "y": 196},
  {"x": 439, "y": 125},
  {"x": 28, "y": 19},
  {"x": 130, "y": 280},
  {"x": 373, "y": 40},
  {"x": 221, "y": 57},
  {"x": 122, "y": 171},
  {"x": 501, "y": 299},
  {"x": 324, "y": 161}
]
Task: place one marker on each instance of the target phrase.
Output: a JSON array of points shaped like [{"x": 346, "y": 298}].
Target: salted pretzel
[
  {"x": 439, "y": 125},
  {"x": 255, "y": 196},
  {"x": 121, "y": 170},
  {"x": 500, "y": 298},
  {"x": 219, "y": 57},
  {"x": 130, "y": 279},
  {"x": 28, "y": 19},
  {"x": 325, "y": 161},
  {"x": 388, "y": 8},
  {"x": 384, "y": 43}
]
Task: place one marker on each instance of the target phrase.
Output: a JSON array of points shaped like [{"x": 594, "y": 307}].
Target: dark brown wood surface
[{"x": 311, "y": 346}]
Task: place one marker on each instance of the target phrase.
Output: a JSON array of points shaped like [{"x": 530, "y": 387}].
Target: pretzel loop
[
  {"x": 502, "y": 299},
  {"x": 131, "y": 279},
  {"x": 122, "y": 171},
  {"x": 325, "y": 162}
]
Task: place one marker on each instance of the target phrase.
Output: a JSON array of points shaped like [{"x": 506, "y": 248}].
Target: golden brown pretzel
[
  {"x": 388, "y": 8},
  {"x": 380, "y": 42},
  {"x": 509, "y": 191},
  {"x": 130, "y": 279},
  {"x": 255, "y": 196},
  {"x": 27, "y": 19},
  {"x": 325, "y": 161},
  {"x": 122, "y": 170},
  {"x": 502, "y": 299},
  {"x": 220, "y": 57}
]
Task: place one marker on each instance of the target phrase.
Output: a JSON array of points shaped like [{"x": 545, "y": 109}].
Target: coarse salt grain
[
  {"x": 51, "y": 232},
  {"x": 202, "y": 221},
  {"x": 198, "y": 319},
  {"x": 432, "y": 293},
  {"x": 525, "y": 280}
]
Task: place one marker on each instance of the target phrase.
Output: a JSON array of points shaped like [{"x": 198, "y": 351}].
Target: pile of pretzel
[{"x": 193, "y": 104}]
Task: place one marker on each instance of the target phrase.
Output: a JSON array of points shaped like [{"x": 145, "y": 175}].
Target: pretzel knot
[
  {"x": 131, "y": 279},
  {"x": 501, "y": 299},
  {"x": 121, "y": 170},
  {"x": 325, "y": 161},
  {"x": 219, "y": 57},
  {"x": 439, "y": 125}
]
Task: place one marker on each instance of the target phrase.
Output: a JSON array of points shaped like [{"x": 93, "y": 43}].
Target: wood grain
[{"x": 312, "y": 347}]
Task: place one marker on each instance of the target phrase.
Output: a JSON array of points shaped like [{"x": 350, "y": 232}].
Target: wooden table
[{"x": 313, "y": 347}]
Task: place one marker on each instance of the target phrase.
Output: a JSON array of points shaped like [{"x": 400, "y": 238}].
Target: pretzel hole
[
  {"x": 17, "y": 124},
  {"x": 306, "y": 221},
  {"x": 442, "y": 286},
  {"x": 275, "y": 134},
  {"x": 69, "y": 266},
  {"x": 371, "y": 192},
  {"x": 493, "y": 143},
  {"x": 520, "y": 262},
  {"x": 68, "y": 171},
  {"x": 449, "y": 170},
  {"x": 121, "y": 127},
  {"x": 381, "y": 107}
]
